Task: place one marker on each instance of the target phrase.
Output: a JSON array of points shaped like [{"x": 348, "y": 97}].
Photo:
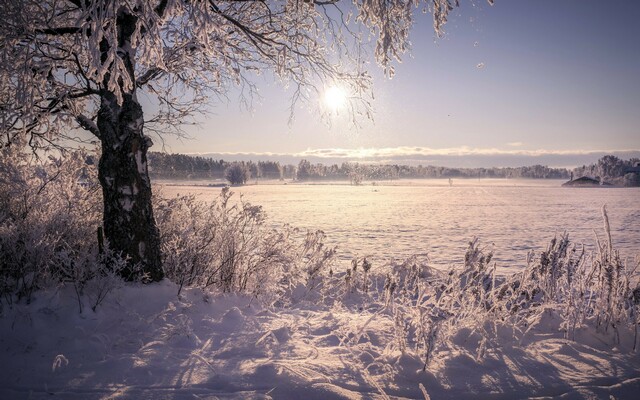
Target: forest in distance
[{"x": 188, "y": 167}]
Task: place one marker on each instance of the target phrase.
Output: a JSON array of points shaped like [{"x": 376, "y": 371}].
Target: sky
[{"x": 523, "y": 82}]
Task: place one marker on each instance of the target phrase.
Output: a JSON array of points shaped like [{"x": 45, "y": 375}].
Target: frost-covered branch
[
  {"x": 87, "y": 124},
  {"x": 196, "y": 51}
]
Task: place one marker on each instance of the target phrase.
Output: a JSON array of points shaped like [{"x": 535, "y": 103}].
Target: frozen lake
[{"x": 397, "y": 219}]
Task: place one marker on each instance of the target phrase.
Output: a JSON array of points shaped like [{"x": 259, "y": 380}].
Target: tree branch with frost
[
  {"x": 87, "y": 124},
  {"x": 206, "y": 47},
  {"x": 148, "y": 76},
  {"x": 61, "y": 61}
]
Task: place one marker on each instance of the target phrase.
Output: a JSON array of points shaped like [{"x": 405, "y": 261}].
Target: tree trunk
[{"x": 129, "y": 226}]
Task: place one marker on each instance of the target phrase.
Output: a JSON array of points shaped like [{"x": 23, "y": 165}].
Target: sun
[{"x": 335, "y": 97}]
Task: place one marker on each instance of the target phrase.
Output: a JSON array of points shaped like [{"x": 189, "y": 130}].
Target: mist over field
[{"x": 451, "y": 158}]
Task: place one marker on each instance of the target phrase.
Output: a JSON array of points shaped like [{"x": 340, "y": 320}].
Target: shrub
[
  {"x": 430, "y": 309},
  {"x": 237, "y": 173},
  {"x": 225, "y": 245},
  {"x": 49, "y": 212}
]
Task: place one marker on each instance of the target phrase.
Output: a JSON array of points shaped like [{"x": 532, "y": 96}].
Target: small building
[{"x": 584, "y": 181}]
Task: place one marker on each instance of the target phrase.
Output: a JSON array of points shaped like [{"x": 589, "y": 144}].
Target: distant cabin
[{"x": 584, "y": 181}]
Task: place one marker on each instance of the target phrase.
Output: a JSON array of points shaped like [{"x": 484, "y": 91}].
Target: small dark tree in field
[
  {"x": 237, "y": 174},
  {"x": 69, "y": 64}
]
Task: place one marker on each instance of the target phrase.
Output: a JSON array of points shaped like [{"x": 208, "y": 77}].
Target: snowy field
[
  {"x": 563, "y": 328},
  {"x": 397, "y": 219}
]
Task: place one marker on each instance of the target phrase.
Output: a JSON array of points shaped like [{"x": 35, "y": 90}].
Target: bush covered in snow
[
  {"x": 562, "y": 289},
  {"x": 49, "y": 212},
  {"x": 227, "y": 246},
  {"x": 237, "y": 173}
]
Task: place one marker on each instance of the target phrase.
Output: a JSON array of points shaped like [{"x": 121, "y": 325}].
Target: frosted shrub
[
  {"x": 434, "y": 311},
  {"x": 104, "y": 276},
  {"x": 226, "y": 245},
  {"x": 454, "y": 303},
  {"x": 237, "y": 173},
  {"x": 409, "y": 294},
  {"x": 352, "y": 280},
  {"x": 616, "y": 301},
  {"x": 556, "y": 280},
  {"x": 49, "y": 212},
  {"x": 561, "y": 280}
]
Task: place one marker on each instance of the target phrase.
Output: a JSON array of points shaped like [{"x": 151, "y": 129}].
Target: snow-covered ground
[
  {"x": 379, "y": 330},
  {"x": 144, "y": 342},
  {"x": 397, "y": 219}
]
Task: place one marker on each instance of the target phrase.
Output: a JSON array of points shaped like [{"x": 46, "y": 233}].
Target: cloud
[
  {"x": 452, "y": 151},
  {"x": 515, "y": 144}
]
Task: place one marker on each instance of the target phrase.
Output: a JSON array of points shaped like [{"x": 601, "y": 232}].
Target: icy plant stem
[
  {"x": 607, "y": 228},
  {"x": 424, "y": 392}
]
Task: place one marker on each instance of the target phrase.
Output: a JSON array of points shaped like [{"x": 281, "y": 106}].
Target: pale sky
[{"x": 555, "y": 82}]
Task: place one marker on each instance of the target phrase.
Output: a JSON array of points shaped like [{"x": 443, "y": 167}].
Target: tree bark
[{"x": 129, "y": 225}]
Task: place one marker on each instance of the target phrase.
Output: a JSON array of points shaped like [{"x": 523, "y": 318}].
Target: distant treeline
[
  {"x": 180, "y": 166},
  {"x": 356, "y": 172}
]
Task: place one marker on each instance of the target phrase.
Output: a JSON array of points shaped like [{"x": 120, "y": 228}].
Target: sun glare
[{"x": 335, "y": 97}]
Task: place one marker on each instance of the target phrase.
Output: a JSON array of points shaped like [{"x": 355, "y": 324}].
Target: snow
[
  {"x": 363, "y": 335},
  {"x": 144, "y": 342},
  {"x": 398, "y": 219}
]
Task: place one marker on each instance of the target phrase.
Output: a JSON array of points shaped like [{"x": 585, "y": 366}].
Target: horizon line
[{"x": 460, "y": 157}]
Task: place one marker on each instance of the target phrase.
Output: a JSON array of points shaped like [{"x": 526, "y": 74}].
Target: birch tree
[{"x": 82, "y": 64}]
